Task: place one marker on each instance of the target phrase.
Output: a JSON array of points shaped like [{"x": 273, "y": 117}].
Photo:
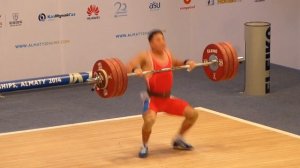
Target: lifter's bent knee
[
  {"x": 149, "y": 120},
  {"x": 191, "y": 114}
]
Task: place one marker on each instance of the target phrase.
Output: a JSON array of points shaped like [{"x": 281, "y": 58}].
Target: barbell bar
[{"x": 173, "y": 68}]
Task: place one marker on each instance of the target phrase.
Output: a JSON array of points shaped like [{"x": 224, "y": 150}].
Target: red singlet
[{"x": 162, "y": 83}]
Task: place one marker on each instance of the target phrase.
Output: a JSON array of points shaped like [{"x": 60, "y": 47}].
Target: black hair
[{"x": 153, "y": 33}]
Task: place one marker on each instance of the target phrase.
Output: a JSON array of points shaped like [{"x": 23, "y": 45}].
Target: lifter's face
[{"x": 158, "y": 43}]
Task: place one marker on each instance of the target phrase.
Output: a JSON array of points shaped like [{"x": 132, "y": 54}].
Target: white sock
[{"x": 179, "y": 137}]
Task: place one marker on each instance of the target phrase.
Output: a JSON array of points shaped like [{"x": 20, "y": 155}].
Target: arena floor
[
  {"x": 219, "y": 140},
  {"x": 72, "y": 127}
]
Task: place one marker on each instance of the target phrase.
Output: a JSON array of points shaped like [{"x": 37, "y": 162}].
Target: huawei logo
[
  {"x": 93, "y": 9},
  {"x": 187, "y": 1}
]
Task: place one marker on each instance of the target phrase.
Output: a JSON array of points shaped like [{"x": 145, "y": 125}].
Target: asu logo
[
  {"x": 154, "y": 6},
  {"x": 93, "y": 9}
]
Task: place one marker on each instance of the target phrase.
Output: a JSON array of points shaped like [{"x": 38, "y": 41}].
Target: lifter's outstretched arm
[
  {"x": 136, "y": 64},
  {"x": 176, "y": 62}
]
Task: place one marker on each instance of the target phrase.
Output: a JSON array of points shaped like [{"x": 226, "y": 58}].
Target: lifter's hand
[
  {"x": 139, "y": 72},
  {"x": 192, "y": 65}
]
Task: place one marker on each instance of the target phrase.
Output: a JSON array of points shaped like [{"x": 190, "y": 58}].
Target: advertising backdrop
[{"x": 52, "y": 37}]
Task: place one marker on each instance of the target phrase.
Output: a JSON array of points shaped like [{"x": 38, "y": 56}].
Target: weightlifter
[{"x": 159, "y": 86}]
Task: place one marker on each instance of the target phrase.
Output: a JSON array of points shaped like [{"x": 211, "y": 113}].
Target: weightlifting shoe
[
  {"x": 143, "y": 152},
  {"x": 180, "y": 144}
]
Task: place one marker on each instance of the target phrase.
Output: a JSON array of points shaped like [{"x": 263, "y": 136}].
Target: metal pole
[{"x": 257, "y": 39}]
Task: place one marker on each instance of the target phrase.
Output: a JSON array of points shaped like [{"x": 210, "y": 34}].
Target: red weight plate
[
  {"x": 115, "y": 76},
  {"x": 215, "y": 72},
  {"x": 235, "y": 60},
  {"x": 230, "y": 60},
  {"x": 125, "y": 77},
  {"x": 119, "y": 83},
  {"x": 106, "y": 71}
]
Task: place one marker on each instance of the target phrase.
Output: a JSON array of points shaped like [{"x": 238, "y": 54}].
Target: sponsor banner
[
  {"x": 1, "y": 20},
  {"x": 62, "y": 28},
  {"x": 213, "y": 2},
  {"x": 15, "y": 20},
  {"x": 154, "y": 5},
  {"x": 50, "y": 17},
  {"x": 41, "y": 44},
  {"x": 134, "y": 34},
  {"x": 44, "y": 82},
  {"x": 268, "y": 60},
  {"x": 120, "y": 9},
  {"x": 228, "y": 1},
  {"x": 93, "y": 12},
  {"x": 187, "y": 5}
]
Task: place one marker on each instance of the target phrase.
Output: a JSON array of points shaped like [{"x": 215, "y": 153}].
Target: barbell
[{"x": 110, "y": 77}]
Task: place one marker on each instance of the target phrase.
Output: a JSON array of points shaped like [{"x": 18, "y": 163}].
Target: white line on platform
[
  {"x": 136, "y": 116},
  {"x": 249, "y": 122},
  {"x": 70, "y": 125}
]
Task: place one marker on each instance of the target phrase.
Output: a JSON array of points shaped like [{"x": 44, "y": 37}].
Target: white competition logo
[
  {"x": 121, "y": 9},
  {"x": 15, "y": 20}
]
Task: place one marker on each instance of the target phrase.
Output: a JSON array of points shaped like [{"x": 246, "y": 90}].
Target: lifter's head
[{"x": 157, "y": 40}]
